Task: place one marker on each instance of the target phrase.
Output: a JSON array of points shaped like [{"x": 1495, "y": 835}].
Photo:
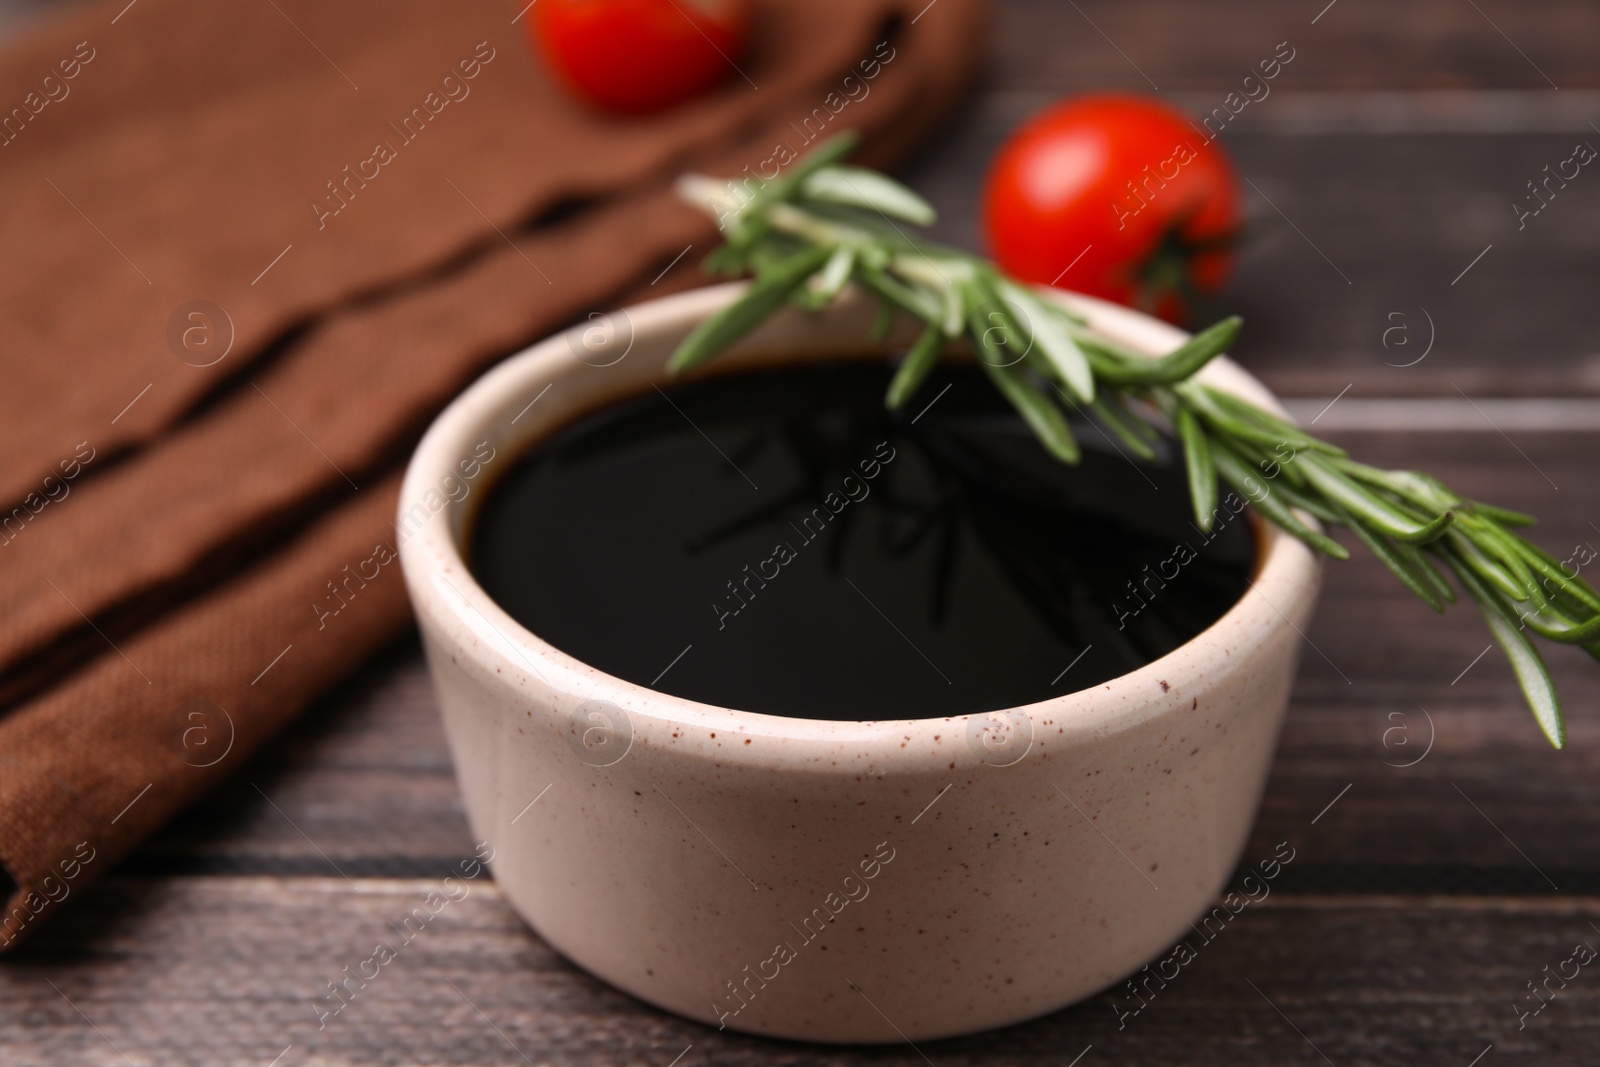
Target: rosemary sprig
[{"x": 823, "y": 225}]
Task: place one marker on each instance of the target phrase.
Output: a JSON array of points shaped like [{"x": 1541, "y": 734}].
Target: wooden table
[{"x": 1445, "y": 854}]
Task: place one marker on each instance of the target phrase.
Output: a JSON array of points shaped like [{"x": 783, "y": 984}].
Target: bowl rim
[{"x": 449, "y": 601}]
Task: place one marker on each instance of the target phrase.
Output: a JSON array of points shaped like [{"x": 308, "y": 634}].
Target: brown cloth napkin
[{"x": 249, "y": 251}]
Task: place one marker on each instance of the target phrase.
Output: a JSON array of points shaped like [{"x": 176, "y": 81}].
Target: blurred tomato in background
[
  {"x": 636, "y": 56},
  {"x": 1118, "y": 196}
]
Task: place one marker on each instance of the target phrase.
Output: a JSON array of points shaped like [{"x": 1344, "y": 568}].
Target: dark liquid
[{"x": 820, "y": 557}]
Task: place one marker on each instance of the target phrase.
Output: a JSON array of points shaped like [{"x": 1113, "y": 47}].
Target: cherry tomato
[
  {"x": 1117, "y": 196},
  {"x": 640, "y": 55}
]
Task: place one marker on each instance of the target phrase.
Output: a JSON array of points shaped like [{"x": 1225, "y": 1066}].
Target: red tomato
[
  {"x": 1117, "y": 196},
  {"x": 640, "y": 55}
]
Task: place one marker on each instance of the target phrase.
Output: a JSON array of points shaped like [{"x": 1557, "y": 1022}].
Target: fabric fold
[
  {"x": 203, "y": 141},
  {"x": 213, "y": 511}
]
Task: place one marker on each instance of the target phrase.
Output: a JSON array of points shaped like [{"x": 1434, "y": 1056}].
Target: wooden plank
[
  {"x": 1345, "y": 44},
  {"x": 1400, "y": 191},
  {"x": 367, "y": 778},
  {"x": 1459, "y": 414},
  {"x": 1183, "y": 46},
  {"x": 1358, "y": 254},
  {"x": 17, "y": 15},
  {"x": 363, "y": 784},
  {"x": 236, "y": 971},
  {"x": 1407, "y": 667}
]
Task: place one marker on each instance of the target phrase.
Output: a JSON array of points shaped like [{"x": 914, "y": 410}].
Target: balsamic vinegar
[{"x": 776, "y": 541}]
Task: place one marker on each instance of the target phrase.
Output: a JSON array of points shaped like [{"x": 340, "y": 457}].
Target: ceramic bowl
[{"x": 824, "y": 880}]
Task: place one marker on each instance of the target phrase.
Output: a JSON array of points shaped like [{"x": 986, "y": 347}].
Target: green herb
[{"x": 824, "y": 224}]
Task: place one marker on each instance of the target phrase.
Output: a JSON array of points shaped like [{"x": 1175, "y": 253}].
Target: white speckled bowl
[{"x": 688, "y": 854}]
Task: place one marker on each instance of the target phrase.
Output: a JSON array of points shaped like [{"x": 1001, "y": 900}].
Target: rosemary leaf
[
  {"x": 824, "y": 155},
  {"x": 726, "y": 261},
  {"x": 914, "y": 371},
  {"x": 1416, "y": 488},
  {"x": 1105, "y": 360},
  {"x": 1369, "y": 507},
  {"x": 1557, "y": 627},
  {"x": 1183, "y": 361},
  {"x": 1504, "y": 516},
  {"x": 1114, "y": 414},
  {"x": 1273, "y": 463},
  {"x": 1489, "y": 570},
  {"x": 1400, "y": 565},
  {"x": 1265, "y": 420},
  {"x": 955, "y": 312},
  {"x": 764, "y": 296},
  {"x": 918, "y": 302},
  {"x": 1310, "y": 503},
  {"x": 859, "y": 187},
  {"x": 1231, "y": 425},
  {"x": 1555, "y": 580},
  {"x": 1503, "y": 548},
  {"x": 1036, "y": 408},
  {"x": 1531, "y": 673},
  {"x": 835, "y": 273},
  {"x": 1201, "y": 469},
  {"x": 1241, "y": 477},
  {"x": 883, "y": 322},
  {"x": 1042, "y": 416},
  {"x": 1422, "y": 563},
  {"x": 1052, "y": 338}
]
